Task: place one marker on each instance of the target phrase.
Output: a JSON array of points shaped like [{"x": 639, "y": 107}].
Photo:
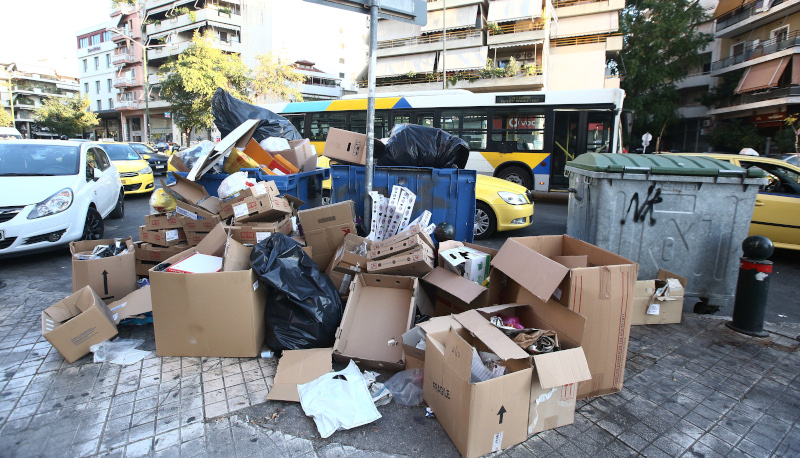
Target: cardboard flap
[
  {"x": 237, "y": 256},
  {"x": 191, "y": 192},
  {"x": 492, "y": 337},
  {"x": 457, "y": 354},
  {"x": 214, "y": 243},
  {"x": 562, "y": 367},
  {"x": 533, "y": 271},
  {"x": 572, "y": 262},
  {"x": 664, "y": 275},
  {"x": 294, "y": 201},
  {"x": 68, "y": 308},
  {"x": 257, "y": 153},
  {"x": 297, "y": 367},
  {"x": 135, "y": 303},
  {"x": 456, "y": 285},
  {"x": 439, "y": 324},
  {"x": 238, "y": 138}
]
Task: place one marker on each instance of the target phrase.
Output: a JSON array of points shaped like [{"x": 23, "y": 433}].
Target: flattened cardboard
[
  {"x": 344, "y": 146},
  {"x": 533, "y": 270},
  {"x": 379, "y": 310},
  {"x": 162, "y": 221},
  {"x": 255, "y": 232},
  {"x": 112, "y": 278},
  {"x": 238, "y": 138},
  {"x": 77, "y": 322},
  {"x": 415, "y": 262},
  {"x": 324, "y": 229},
  {"x": 298, "y": 367},
  {"x": 134, "y": 304}
]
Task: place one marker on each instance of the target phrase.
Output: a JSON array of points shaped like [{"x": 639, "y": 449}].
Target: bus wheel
[{"x": 516, "y": 175}]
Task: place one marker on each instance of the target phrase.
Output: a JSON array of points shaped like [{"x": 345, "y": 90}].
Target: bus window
[
  {"x": 450, "y": 121},
  {"x": 401, "y": 118},
  {"x": 525, "y": 126},
  {"x": 474, "y": 128},
  {"x": 599, "y": 127},
  {"x": 321, "y": 122},
  {"x": 425, "y": 119},
  {"x": 358, "y": 123},
  {"x": 299, "y": 124}
]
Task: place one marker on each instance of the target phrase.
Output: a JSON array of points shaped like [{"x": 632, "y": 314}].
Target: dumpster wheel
[{"x": 703, "y": 308}]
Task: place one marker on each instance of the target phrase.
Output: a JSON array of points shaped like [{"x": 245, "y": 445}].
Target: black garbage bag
[
  {"x": 303, "y": 308},
  {"x": 420, "y": 146},
  {"x": 230, "y": 112}
]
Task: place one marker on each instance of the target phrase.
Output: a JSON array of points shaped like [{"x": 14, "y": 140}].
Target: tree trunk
[{"x": 658, "y": 142}]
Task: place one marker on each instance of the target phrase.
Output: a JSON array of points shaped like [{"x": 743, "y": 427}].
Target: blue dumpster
[{"x": 449, "y": 194}]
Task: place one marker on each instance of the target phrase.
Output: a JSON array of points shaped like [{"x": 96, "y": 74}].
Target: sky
[{"x": 31, "y": 30}]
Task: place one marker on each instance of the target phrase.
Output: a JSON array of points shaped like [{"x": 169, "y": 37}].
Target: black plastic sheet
[
  {"x": 303, "y": 307},
  {"x": 411, "y": 145},
  {"x": 230, "y": 112}
]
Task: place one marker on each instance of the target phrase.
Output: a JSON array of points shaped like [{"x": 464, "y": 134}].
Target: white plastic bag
[
  {"x": 272, "y": 144},
  {"x": 338, "y": 400},
  {"x": 120, "y": 351},
  {"x": 406, "y": 387},
  {"x": 234, "y": 183}
]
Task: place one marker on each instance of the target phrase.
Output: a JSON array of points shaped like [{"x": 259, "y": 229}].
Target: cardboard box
[
  {"x": 194, "y": 238},
  {"x": 143, "y": 267},
  {"x": 192, "y": 193},
  {"x": 399, "y": 246},
  {"x": 238, "y": 138},
  {"x": 77, "y": 322},
  {"x": 162, "y": 237},
  {"x": 212, "y": 314},
  {"x": 456, "y": 294},
  {"x": 467, "y": 262},
  {"x": 133, "y": 305},
  {"x": 324, "y": 229},
  {"x": 652, "y": 308},
  {"x": 178, "y": 164},
  {"x": 153, "y": 253},
  {"x": 603, "y": 292},
  {"x": 261, "y": 188},
  {"x": 410, "y": 232},
  {"x": 379, "y": 310},
  {"x": 197, "y": 263},
  {"x": 345, "y": 264},
  {"x": 265, "y": 207},
  {"x": 163, "y": 221},
  {"x": 345, "y": 146},
  {"x": 255, "y": 232},
  {"x": 197, "y": 219},
  {"x": 415, "y": 263},
  {"x": 112, "y": 278},
  {"x": 414, "y": 356},
  {"x": 298, "y": 367},
  {"x": 484, "y": 417},
  {"x": 301, "y": 154}
]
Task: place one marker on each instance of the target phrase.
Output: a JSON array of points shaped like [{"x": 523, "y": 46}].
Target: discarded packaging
[
  {"x": 120, "y": 351},
  {"x": 380, "y": 395},
  {"x": 162, "y": 201},
  {"x": 234, "y": 183},
  {"x": 112, "y": 278},
  {"x": 238, "y": 160},
  {"x": 133, "y": 306},
  {"x": 230, "y": 112},
  {"x": 659, "y": 301},
  {"x": 406, "y": 387},
  {"x": 324, "y": 229},
  {"x": 197, "y": 263},
  {"x": 297, "y": 367}
]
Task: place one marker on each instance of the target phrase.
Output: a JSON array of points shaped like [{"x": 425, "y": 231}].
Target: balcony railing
[
  {"x": 123, "y": 82},
  {"x": 743, "y": 13},
  {"x": 516, "y": 27},
  {"x": 126, "y": 105},
  {"x": 468, "y": 75},
  {"x": 777, "y": 93},
  {"x": 762, "y": 49},
  {"x": 123, "y": 34},
  {"x": 583, "y": 40},
  {"x": 427, "y": 39},
  {"x": 121, "y": 58}
]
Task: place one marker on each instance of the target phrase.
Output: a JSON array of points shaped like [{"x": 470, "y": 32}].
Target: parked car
[
  {"x": 156, "y": 161},
  {"x": 53, "y": 192},
  {"x": 137, "y": 176},
  {"x": 9, "y": 133},
  {"x": 793, "y": 159},
  {"x": 162, "y": 146}
]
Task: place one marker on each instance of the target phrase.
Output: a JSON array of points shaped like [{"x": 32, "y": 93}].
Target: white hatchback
[{"x": 55, "y": 192}]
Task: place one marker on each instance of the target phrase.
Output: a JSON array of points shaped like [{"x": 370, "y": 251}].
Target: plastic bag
[
  {"x": 191, "y": 155},
  {"x": 406, "y": 387},
  {"x": 411, "y": 145},
  {"x": 230, "y": 112},
  {"x": 303, "y": 308},
  {"x": 120, "y": 351},
  {"x": 338, "y": 400},
  {"x": 162, "y": 201},
  {"x": 237, "y": 160},
  {"x": 274, "y": 144},
  {"x": 234, "y": 183}
]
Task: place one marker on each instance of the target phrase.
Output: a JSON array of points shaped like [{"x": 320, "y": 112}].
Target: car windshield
[
  {"x": 121, "y": 153},
  {"x": 38, "y": 160},
  {"x": 143, "y": 149}
]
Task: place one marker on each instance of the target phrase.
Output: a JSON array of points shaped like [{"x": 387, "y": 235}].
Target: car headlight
[
  {"x": 56, "y": 203},
  {"x": 145, "y": 171},
  {"x": 512, "y": 198}
]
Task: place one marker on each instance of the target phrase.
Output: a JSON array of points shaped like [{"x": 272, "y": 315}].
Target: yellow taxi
[
  {"x": 500, "y": 205},
  {"x": 777, "y": 211},
  {"x": 136, "y": 174}
]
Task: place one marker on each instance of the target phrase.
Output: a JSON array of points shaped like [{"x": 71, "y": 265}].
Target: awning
[
  {"x": 393, "y": 30},
  {"x": 726, "y": 6},
  {"x": 465, "y": 17},
  {"x": 589, "y": 24},
  {"x": 762, "y": 76},
  {"x": 514, "y": 10},
  {"x": 523, "y": 43},
  {"x": 465, "y": 59},
  {"x": 401, "y": 65},
  {"x": 795, "y": 72}
]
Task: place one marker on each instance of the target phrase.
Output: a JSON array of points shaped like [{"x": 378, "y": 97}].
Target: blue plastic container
[
  {"x": 306, "y": 186},
  {"x": 449, "y": 194}
]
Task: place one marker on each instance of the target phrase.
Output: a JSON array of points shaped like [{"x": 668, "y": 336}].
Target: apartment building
[
  {"x": 317, "y": 84},
  {"x": 26, "y": 87},
  {"x": 96, "y": 72},
  {"x": 755, "y": 42},
  {"x": 557, "y": 44}
]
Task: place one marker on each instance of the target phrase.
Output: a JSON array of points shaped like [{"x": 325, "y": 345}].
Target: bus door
[{"x": 567, "y": 144}]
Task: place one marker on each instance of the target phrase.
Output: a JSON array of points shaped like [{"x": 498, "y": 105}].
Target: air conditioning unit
[
  {"x": 519, "y": 55},
  {"x": 529, "y": 55}
]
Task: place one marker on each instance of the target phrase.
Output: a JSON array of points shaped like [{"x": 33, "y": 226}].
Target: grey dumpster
[{"x": 684, "y": 214}]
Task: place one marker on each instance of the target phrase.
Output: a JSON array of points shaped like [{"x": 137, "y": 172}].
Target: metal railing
[
  {"x": 742, "y": 14},
  {"x": 427, "y": 39},
  {"x": 761, "y": 96},
  {"x": 761, "y": 49},
  {"x": 122, "y": 57},
  {"x": 538, "y": 24},
  {"x": 583, "y": 40},
  {"x": 126, "y": 81},
  {"x": 564, "y": 3},
  {"x": 126, "y": 104},
  {"x": 468, "y": 75}
]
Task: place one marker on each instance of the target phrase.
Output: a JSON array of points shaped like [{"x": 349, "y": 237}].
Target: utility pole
[
  {"x": 373, "y": 59},
  {"x": 444, "y": 44}
]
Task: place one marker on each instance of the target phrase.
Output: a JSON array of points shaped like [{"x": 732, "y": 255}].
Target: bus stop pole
[{"x": 373, "y": 45}]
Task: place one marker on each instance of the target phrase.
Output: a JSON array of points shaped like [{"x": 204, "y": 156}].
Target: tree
[
  {"x": 734, "y": 135},
  {"x": 70, "y": 116},
  {"x": 661, "y": 42},
  {"x": 5, "y": 119},
  {"x": 190, "y": 80},
  {"x": 275, "y": 79},
  {"x": 793, "y": 121}
]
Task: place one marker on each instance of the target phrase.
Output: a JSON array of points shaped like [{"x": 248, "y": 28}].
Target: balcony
[
  {"x": 516, "y": 33},
  {"x": 750, "y": 16},
  {"x": 201, "y": 16},
  {"x": 126, "y": 81},
  {"x": 427, "y": 43},
  {"x": 569, "y": 8},
  {"x": 755, "y": 51},
  {"x": 169, "y": 50},
  {"x": 122, "y": 58},
  {"x": 747, "y": 102},
  {"x": 434, "y": 5},
  {"x": 126, "y": 105},
  {"x": 472, "y": 80},
  {"x": 320, "y": 90},
  {"x": 124, "y": 34},
  {"x": 702, "y": 79}
]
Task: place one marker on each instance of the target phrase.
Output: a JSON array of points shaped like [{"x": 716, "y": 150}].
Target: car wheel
[
  {"x": 485, "y": 221},
  {"x": 516, "y": 175},
  {"x": 119, "y": 209},
  {"x": 93, "y": 226}
]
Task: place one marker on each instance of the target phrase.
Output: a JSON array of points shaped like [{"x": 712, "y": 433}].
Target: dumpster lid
[{"x": 661, "y": 164}]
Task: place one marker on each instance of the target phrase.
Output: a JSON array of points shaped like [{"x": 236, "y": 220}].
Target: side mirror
[
  {"x": 97, "y": 174},
  {"x": 145, "y": 156}
]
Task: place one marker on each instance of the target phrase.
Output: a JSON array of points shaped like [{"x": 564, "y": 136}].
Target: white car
[{"x": 55, "y": 192}]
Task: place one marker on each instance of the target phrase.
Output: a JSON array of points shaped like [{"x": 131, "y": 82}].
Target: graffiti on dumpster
[{"x": 646, "y": 208}]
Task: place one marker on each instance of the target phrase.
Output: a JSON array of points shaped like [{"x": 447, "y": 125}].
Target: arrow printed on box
[
  {"x": 105, "y": 282},
  {"x": 501, "y": 412}
]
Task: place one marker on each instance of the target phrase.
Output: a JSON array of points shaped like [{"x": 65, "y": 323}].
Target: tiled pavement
[{"x": 696, "y": 389}]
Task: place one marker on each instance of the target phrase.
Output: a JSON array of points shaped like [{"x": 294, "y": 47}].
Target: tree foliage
[
  {"x": 5, "y": 119},
  {"x": 275, "y": 79},
  {"x": 70, "y": 116},
  {"x": 190, "y": 81},
  {"x": 661, "y": 43},
  {"x": 734, "y": 135}
]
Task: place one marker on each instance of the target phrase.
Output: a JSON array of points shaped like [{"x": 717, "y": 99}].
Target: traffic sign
[{"x": 646, "y": 139}]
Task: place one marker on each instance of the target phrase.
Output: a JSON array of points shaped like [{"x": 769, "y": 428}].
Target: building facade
[
  {"x": 96, "y": 72},
  {"x": 25, "y": 87},
  {"x": 317, "y": 84}
]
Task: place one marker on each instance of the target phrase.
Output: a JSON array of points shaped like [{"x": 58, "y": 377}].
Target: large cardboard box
[
  {"x": 415, "y": 262},
  {"x": 379, "y": 310},
  {"x": 415, "y": 356},
  {"x": 162, "y": 221},
  {"x": 77, "y": 322},
  {"x": 324, "y": 229},
  {"x": 193, "y": 193},
  {"x": 162, "y": 237},
  {"x": 345, "y": 146},
  {"x": 211, "y": 314},
  {"x": 652, "y": 308},
  {"x": 255, "y": 232},
  {"x": 298, "y": 367},
  {"x": 148, "y": 252},
  {"x": 265, "y": 207},
  {"x": 602, "y": 291},
  {"x": 301, "y": 154},
  {"x": 112, "y": 278},
  {"x": 483, "y": 417}
]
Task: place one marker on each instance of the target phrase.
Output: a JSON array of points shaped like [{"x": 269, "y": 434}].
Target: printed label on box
[
  {"x": 240, "y": 210},
  {"x": 172, "y": 235},
  {"x": 654, "y": 309},
  {"x": 262, "y": 235},
  {"x": 259, "y": 189},
  {"x": 497, "y": 442}
]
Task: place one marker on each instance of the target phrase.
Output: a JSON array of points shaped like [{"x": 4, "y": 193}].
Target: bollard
[{"x": 752, "y": 289}]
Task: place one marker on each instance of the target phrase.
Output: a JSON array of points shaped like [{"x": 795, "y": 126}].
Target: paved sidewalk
[{"x": 696, "y": 389}]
